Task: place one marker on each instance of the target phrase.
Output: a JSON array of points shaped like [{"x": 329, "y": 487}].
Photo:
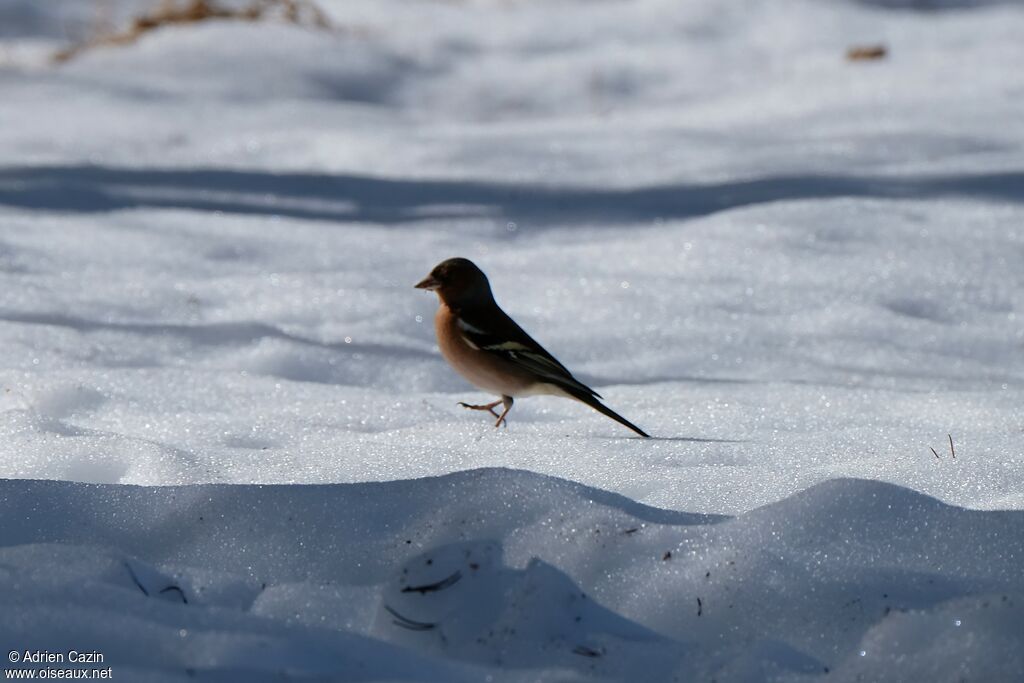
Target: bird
[{"x": 484, "y": 345}]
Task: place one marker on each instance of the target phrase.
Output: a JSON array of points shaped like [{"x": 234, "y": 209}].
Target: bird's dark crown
[{"x": 458, "y": 281}]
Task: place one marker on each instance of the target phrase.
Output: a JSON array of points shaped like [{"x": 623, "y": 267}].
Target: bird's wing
[{"x": 495, "y": 332}]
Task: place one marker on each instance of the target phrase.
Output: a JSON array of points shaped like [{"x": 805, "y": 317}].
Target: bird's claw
[{"x": 489, "y": 407}]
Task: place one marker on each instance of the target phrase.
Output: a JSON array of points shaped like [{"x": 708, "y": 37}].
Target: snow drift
[{"x": 511, "y": 575}]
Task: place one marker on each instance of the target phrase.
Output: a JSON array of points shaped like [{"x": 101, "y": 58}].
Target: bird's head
[{"x": 458, "y": 282}]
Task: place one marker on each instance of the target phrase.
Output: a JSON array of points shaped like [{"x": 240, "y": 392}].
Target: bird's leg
[
  {"x": 489, "y": 407},
  {"x": 507, "y": 400}
]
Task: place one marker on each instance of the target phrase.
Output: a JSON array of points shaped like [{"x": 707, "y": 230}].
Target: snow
[
  {"x": 800, "y": 274},
  {"x": 534, "y": 578}
]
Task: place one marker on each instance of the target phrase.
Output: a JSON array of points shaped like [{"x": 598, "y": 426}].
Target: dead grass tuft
[{"x": 172, "y": 13}]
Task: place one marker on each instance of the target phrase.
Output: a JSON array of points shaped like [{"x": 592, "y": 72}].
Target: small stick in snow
[
  {"x": 181, "y": 593},
  {"x": 405, "y": 622},
  {"x": 951, "y": 450},
  {"x": 135, "y": 579},
  {"x": 936, "y": 454},
  {"x": 700, "y": 607},
  {"x": 433, "y": 587},
  {"x": 860, "y": 53}
]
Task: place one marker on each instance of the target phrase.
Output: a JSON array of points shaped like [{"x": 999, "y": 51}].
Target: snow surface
[
  {"x": 798, "y": 273},
  {"x": 513, "y": 575}
]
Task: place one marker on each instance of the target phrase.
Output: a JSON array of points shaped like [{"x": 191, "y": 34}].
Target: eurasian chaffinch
[{"x": 490, "y": 350}]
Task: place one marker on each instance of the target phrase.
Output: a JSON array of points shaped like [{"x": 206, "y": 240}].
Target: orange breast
[{"x": 484, "y": 370}]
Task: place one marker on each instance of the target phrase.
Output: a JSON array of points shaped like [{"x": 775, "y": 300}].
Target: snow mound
[{"x": 509, "y": 574}]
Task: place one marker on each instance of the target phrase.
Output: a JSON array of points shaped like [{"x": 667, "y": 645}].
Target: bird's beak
[{"x": 429, "y": 283}]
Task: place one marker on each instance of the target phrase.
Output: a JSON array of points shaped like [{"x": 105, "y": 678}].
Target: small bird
[{"x": 488, "y": 348}]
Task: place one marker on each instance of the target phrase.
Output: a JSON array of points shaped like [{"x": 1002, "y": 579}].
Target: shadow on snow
[{"x": 357, "y": 198}]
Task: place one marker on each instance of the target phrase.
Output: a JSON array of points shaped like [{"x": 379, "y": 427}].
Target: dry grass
[
  {"x": 952, "y": 449},
  {"x": 172, "y": 13}
]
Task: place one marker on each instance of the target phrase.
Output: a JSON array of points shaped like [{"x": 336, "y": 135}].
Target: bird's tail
[{"x": 605, "y": 410}]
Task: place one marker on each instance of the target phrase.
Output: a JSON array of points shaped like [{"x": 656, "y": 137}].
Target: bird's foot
[
  {"x": 507, "y": 401},
  {"x": 489, "y": 407}
]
